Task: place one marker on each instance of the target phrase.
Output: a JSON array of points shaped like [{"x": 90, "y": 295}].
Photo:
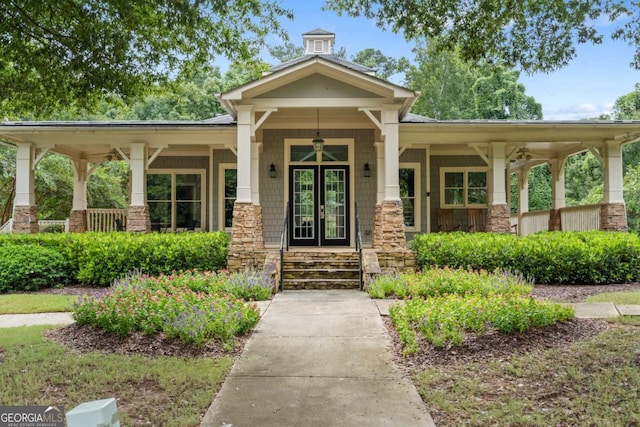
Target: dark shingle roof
[
  {"x": 330, "y": 58},
  {"x": 318, "y": 32}
]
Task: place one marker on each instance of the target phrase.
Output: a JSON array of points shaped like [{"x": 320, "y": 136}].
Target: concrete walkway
[{"x": 318, "y": 358}]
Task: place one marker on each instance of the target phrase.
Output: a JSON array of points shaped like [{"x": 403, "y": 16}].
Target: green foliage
[
  {"x": 30, "y": 267},
  {"x": 101, "y": 258},
  {"x": 437, "y": 282},
  {"x": 119, "y": 48},
  {"x": 445, "y": 304},
  {"x": 170, "y": 306},
  {"x": 627, "y": 107},
  {"x": 552, "y": 258},
  {"x": 535, "y": 35}
]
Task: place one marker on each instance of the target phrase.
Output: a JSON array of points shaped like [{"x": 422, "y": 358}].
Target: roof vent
[{"x": 318, "y": 42}]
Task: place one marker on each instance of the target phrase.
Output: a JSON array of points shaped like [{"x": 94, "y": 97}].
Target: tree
[
  {"x": 385, "y": 66},
  {"x": 537, "y": 35},
  {"x": 454, "y": 89},
  {"x": 58, "y": 52},
  {"x": 627, "y": 107}
]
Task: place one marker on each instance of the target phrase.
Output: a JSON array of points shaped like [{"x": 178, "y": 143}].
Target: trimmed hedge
[
  {"x": 31, "y": 267},
  {"x": 589, "y": 258},
  {"x": 100, "y": 258}
]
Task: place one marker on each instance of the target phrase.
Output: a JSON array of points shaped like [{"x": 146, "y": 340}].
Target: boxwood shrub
[
  {"x": 31, "y": 267},
  {"x": 591, "y": 257},
  {"x": 100, "y": 258}
]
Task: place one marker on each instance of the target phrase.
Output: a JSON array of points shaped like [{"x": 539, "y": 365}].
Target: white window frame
[
  {"x": 465, "y": 171},
  {"x": 203, "y": 192},
  {"x": 222, "y": 168},
  {"x": 417, "y": 207}
]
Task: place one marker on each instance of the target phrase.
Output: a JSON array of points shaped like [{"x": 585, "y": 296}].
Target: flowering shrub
[
  {"x": 443, "y": 304},
  {"x": 192, "y": 306}
]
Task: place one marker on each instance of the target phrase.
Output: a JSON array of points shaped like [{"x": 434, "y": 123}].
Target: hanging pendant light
[{"x": 318, "y": 142}]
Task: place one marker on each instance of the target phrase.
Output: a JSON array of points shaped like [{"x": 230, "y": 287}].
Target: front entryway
[{"x": 319, "y": 205}]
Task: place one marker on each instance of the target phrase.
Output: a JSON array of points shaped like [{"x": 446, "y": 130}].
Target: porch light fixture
[
  {"x": 366, "y": 172},
  {"x": 523, "y": 154},
  {"x": 318, "y": 142},
  {"x": 272, "y": 171}
]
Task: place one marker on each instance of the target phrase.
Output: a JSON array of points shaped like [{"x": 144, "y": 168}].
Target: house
[{"x": 321, "y": 137}]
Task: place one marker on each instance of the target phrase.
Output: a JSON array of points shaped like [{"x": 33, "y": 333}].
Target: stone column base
[
  {"x": 498, "y": 219},
  {"x": 247, "y": 236},
  {"x": 376, "y": 238},
  {"x": 138, "y": 220},
  {"x": 78, "y": 221},
  {"x": 25, "y": 219},
  {"x": 388, "y": 226},
  {"x": 555, "y": 220},
  {"x": 613, "y": 217}
]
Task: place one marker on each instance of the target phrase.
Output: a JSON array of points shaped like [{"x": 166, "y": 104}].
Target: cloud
[{"x": 578, "y": 112}]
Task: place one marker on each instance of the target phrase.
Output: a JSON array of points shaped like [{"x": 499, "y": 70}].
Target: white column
[
  {"x": 557, "y": 183},
  {"x": 523, "y": 190},
  {"x": 498, "y": 174},
  {"x": 390, "y": 130},
  {"x": 245, "y": 121},
  {"x": 613, "y": 177},
  {"x": 80, "y": 178},
  {"x": 210, "y": 225},
  {"x": 255, "y": 174},
  {"x": 138, "y": 166},
  {"x": 427, "y": 169},
  {"x": 379, "y": 146},
  {"x": 25, "y": 188}
]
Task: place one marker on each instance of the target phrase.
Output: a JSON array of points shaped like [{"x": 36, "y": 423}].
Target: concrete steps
[{"x": 321, "y": 269}]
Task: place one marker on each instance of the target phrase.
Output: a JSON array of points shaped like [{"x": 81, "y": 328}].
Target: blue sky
[{"x": 586, "y": 88}]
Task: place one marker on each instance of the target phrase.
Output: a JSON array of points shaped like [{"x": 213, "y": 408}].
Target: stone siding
[
  {"x": 25, "y": 219},
  {"x": 555, "y": 220},
  {"x": 138, "y": 220},
  {"x": 613, "y": 217},
  {"x": 78, "y": 221},
  {"x": 498, "y": 219},
  {"x": 389, "y": 226},
  {"x": 247, "y": 241}
]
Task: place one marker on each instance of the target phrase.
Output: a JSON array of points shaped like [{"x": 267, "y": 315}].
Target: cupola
[{"x": 318, "y": 42}]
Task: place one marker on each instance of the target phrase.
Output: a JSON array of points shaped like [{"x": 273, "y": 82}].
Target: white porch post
[
  {"x": 557, "y": 193},
  {"x": 613, "y": 215},
  {"x": 25, "y": 211},
  {"x": 523, "y": 195},
  {"x": 78, "y": 215},
  {"x": 498, "y": 212},
  {"x": 138, "y": 218},
  {"x": 380, "y": 174},
  {"x": 245, "y": 121},
  {"x": 388, "y": 228},
  {"x": 256, "y": 148}
]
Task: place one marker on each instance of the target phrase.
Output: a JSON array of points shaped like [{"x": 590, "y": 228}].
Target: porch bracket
[
  {"x": 231, "y": 148},
  {"x": 121, "y": 153},
  {"x": 39, "y": 157},
  {"x": 597, "y": 155},
  {"x": 261, "y": 120},
  {"x": 92, "y": 169},
  {"x": 482, "y": 155},
  {"x": 402, "y": 150},
  {"x": 154, "y": 155},
  {"x": 373, "y": 118}
]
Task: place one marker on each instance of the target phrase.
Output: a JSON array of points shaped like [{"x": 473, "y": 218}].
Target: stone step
[
  {"x": 329, "y": 273},
  {"x": 321, "y": 284}
]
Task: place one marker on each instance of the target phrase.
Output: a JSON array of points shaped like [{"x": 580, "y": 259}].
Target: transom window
[
  {"x": 175, "y": 199},
  {"x": 410, "y": 195},
  {"x": 463, "y": 187},
  {"x": 329, "y": 153}
]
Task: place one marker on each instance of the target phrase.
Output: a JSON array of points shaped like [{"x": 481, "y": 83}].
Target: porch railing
[
  {"x": 533, "y": 222},
  {"x": 284, "y": 241},
  {"x": 106, "y": 220},
  {"x": 580, "y": 218},
  {"x": 43, "y": 223},
  {"x": 359, "y": 248},
  {"x": 7, "y": 226}
]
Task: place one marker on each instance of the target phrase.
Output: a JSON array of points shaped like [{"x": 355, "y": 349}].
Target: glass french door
[{"x": 319, "y": 206}]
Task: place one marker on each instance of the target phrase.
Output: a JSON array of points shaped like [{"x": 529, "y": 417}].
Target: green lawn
[
  {"x": 162, "y": 391},
  {"x": 35, "y": 303},
  {"x": 628, "y": 297}
]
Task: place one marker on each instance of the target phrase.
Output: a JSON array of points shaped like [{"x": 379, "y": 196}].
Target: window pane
[
  {"x": 158, "y": 187},
  {"x": 408, "y": 206},
  {"x": 160, "y": 215},
  {"x": 188, "y": 187},
  {"x": 454, "y": 196},
  {"x": 230, "y": 187},
  {"x": 477, "y": 179},
  {"x": 407, "y": 182},
  {"x": 454, "y": 179},
  {"x": 335, "y": 153},
  {"x": 477, "y": 196},
  {"x": 188, "y": 214},
  {"x": 303, "y": 153}
]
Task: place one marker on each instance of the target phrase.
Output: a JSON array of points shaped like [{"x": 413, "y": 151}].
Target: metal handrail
[
  {"x": 283, "y": 241},
  {"x": 359, "y": 247}
]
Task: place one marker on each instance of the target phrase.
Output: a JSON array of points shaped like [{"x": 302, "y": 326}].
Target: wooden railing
[
  {"x": 580, "y": 218},
  {"x": 533, "y": 222},
  {"x": 44, "y": 223},
  {"x": 106, "y": 220}
]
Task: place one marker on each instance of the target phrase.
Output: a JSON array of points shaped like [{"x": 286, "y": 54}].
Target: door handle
[{"x": 321, "y": 211}]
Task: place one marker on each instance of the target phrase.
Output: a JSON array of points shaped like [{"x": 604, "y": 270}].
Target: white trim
[
  {"x": 222, "y": 167},
  {"x": 350, "y": 143},
  {"x": 465, "y": 170},
  {"x": 203, "y": 192},
  {"x": 417, "y": 208}
]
